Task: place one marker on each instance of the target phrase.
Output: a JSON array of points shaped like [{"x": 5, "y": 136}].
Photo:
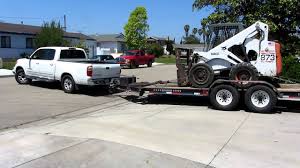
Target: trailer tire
[
  {"x": 260, "y": 99},
  {"x": 201, "y": 75},
  {"x": 224, "y": 97}
]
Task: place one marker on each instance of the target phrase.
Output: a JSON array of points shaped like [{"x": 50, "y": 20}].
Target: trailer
[
  {"x": 258, "y": 96},
  {"x": 224, "y": 94}
]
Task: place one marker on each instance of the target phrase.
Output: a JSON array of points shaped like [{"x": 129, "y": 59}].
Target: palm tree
[
  {"x": 187, "y": 29},
  {"x": 195, "y": 30}
]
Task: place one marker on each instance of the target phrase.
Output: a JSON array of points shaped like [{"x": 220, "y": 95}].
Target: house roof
[
  {"x": 190, "y": 46},
  {"x": 157, "y": 38},
  {"x": 109, "y": 37},
  {"x": 33, "y": 30}
]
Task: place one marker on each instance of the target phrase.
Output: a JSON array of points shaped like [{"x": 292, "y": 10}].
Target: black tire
[
  {"x": 224, "y": 97},
  {"x": 201, "y": 75},
  {"x": 263, "y": 95},
  {"x": 68, "y": 85},
  {"x": 132, "y": 65},
  {"x": 20, "y": 77},
  {"x": 149, "y": 64},
  {"x": 244, "y": 72}
]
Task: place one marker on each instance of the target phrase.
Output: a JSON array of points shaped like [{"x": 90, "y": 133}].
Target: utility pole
[{"x": 65, "y": 22}]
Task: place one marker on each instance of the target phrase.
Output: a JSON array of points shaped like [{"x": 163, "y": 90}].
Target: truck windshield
[{"x": 72, "y": 54}]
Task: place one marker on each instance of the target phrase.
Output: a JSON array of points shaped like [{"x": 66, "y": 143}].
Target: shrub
[
  {"x": 155, "y": 49},
  {"x": 291, "y": 68}
]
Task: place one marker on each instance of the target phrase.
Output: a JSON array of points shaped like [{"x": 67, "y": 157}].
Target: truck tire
[
  {"x": 68, "y": 85},
  {"x": 132, "y": 65},
  {"x": 149, "y": 64},
  {"x": 224, "y": 97},
  {"x": 201, "y": 75},
  {"x": 260, "y": 99},
  {"x": 244, "y": 72},
  {"x": 21, "y": 77}
]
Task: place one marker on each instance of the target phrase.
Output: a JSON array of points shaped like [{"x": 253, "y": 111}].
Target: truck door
[
  {"x": 47, "y": 66},
  {"x": 142, "y": 58},
  {"x": 42, "y": 63}
]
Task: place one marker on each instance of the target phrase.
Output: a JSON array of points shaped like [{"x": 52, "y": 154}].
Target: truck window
[
  {"x": 72, "y": 54},
  {"x": 44, "y": 54}
]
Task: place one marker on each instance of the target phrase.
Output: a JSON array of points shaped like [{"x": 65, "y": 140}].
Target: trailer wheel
[
  {"x": 201, "y": 75},
  {"x": 261, "y": 99},
  {"x": 224, "y": 97}
]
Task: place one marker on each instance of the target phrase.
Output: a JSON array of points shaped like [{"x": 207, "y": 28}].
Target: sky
[{"x": 165, "y": 17}]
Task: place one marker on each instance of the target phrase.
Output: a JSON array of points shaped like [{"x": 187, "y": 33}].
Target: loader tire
[
  {"x": 244, "y": 72},
  {"x": 201, "y": 75}
]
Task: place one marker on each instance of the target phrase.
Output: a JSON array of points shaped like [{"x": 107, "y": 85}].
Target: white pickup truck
[{"x": 70, "y": 66}]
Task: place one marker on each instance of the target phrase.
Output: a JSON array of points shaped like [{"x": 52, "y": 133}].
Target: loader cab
[{"x": 218, "y": 33}]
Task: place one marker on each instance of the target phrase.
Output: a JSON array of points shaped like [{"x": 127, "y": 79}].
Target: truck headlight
[{"x": 127, "y": 61}]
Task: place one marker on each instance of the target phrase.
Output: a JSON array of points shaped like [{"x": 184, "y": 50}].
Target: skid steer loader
[{"x": 236, "y": 54}]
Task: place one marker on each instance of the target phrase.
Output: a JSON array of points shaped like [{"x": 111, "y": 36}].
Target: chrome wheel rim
[
  {"x": 260, "y": 98},
  {"x": 224, "y": 97},
  {"x": 68, "y": 84},
  {"x": 21, "y": 77}
]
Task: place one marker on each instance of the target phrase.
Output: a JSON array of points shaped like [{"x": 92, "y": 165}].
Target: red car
[{"x": 134, "y": 58}]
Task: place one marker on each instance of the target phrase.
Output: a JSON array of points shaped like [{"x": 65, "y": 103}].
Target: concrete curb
[{"x": 7, "y": 76}]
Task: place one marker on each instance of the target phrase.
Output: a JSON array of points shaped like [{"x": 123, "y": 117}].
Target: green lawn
[
  {"x": 166, "y": 59},
  {"x": 9, "y": 64}
]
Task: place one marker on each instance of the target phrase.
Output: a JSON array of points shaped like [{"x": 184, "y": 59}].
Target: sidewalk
[{"x": 6, "y": 73}]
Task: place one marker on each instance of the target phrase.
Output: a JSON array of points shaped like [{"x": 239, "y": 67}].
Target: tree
[
  {"x": 170, "y": 47},
  {"x": 195, "y": 31},
  {"x": 136, "y": 29},
  {"x": 51, "y": 34},
  {"x": 187, "y": 29},
  {"x": 155, "y": 49},
  {"x": 191, "y": 39},
  {"x": 282, "y": 16}
]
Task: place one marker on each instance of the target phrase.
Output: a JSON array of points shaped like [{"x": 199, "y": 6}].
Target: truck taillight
[{"x": 89, "y": 71}]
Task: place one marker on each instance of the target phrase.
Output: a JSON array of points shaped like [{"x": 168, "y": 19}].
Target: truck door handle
[
  {"x": 51, "y": 64},
  {"x": 37, "y": 63},
  {"x": 107, "y": 67}
]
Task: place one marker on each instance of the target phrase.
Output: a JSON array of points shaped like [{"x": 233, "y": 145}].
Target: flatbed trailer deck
[{"x": 287, "y": 92}]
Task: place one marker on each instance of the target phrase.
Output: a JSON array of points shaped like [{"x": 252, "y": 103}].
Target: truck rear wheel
[
  {"x": 224, "y": 97},
  {"x": 132, "y": 65},
  {"x": 68, "y": 84},
  {"x": 201, "y": 75},
  {"x": 149, "y": 64},
  {"x": 261, "y": 99}
]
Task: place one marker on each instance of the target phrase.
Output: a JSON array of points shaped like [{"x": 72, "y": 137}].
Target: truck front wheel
[
  {"x": 261, "y": 99},
  {"x": 68, "y": 84},
  {"x": 21, "y": 77},
  {"x": 224, "y": 97}
]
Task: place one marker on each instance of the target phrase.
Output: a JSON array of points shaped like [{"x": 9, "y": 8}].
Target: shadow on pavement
[
  {"x": 204, "y": 101},
  {"x": 89, "y": 91}
]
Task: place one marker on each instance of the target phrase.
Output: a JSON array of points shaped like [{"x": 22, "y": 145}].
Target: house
[
  {"x": 17, "y": 39},
  {"x": 112, "y": 43},
  {"x": 158, "y": 40},
  {"x": 197, "y": 47}
]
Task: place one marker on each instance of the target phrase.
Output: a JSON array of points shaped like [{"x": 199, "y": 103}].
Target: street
[{"x": 41, "y": 126}]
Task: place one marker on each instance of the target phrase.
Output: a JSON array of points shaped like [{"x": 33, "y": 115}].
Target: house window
[
  {"x": 5, "y": 42},
  {"x": 29, "y": 43}
]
